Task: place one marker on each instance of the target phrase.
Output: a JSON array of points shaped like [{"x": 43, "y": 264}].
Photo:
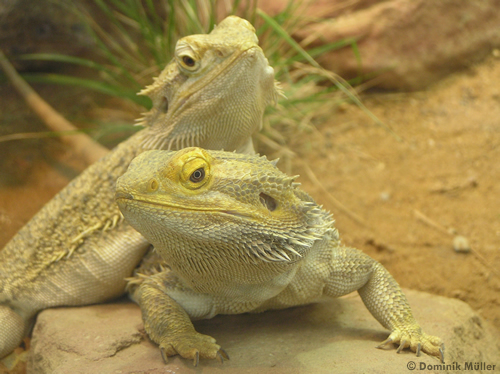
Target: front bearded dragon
[
  {"x": 237, "y": 236},
  {"x": 77, "y": 250}
]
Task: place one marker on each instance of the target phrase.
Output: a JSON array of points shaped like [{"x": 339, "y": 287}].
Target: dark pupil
[
  {"x": 188, "y": 61},
  {"x": 197, "y": 175}
]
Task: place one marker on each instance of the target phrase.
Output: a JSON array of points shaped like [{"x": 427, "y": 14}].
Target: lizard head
[
  {"x": 214, "y": 200},
  {"x": 213, "y": 93}
]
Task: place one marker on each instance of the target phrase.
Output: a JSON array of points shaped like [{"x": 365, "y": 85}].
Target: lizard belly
[
  {"x": 223, "y": 298},
  {"x": 88, "y": 276},
  {"x": 99, "y": 274}
]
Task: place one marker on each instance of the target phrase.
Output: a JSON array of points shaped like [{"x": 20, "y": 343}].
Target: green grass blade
[
  {"x": 90, "y": 84},
  {"x": 320, "y": 50},
  {"x": 68, "y": 59},
  {"x": 334, "y": 79},
  {"x": 283, "y": 34}
]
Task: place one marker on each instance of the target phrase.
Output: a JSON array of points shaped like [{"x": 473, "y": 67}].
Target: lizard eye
[
  {"x": 195, "y": 170},
  {"x": 197, "y": 175},
  {"x": 188, "y": 61},
  {"x": 187, "y": 58}
]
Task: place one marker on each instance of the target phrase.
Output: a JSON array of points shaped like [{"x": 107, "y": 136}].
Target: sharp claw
[
  {"x": 196, "y": 359},
  {"x": 441, "y": 351},
  {"x": 164, "y": 355},
  {"x": 224, "y": 353},
  {"x": 384, "y": 343},
  {"x": 401, "y": 346},
  {"x": 220, "y": 358},
  {"x": 419, "y": 346}
]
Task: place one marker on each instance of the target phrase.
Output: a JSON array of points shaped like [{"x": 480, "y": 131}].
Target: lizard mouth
[{"x": 124, "y": 199}]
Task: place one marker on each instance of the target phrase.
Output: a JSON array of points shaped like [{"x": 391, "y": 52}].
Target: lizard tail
[{"x": 13, "y": 328}]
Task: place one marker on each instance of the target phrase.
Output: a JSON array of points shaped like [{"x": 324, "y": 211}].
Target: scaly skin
[
  {"x": 77, "y": 250},
  {"x": 239, "y": 236}
]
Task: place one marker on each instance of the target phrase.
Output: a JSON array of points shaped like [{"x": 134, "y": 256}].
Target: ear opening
[
  {"x": 163, "y": 107},
  {"x": 269, "y": 202}
]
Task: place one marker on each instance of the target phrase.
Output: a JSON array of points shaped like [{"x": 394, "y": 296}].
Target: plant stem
[{"x": 83, "y": 145}]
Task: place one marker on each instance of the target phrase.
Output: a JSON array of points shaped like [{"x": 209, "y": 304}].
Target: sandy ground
[
  {"x": 444, "y": 176},
  {"x": 414, "y": 196}
]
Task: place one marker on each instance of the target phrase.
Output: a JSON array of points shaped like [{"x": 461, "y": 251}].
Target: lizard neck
[{"x": 220, "y": 270}]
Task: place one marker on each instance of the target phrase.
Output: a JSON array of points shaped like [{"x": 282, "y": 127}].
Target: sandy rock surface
[
  {"x": 333, "y": 336},
  {"x": 406, "y": 44}
]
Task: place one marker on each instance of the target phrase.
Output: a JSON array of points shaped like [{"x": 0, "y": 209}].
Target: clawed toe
[
  {"x": 402, "y": 346},
  {"x": 192, "y": 345},
  {"x": 417, "y": 341},
  {"x": 385, "y": 342},
  {"x": 223, "y": 353},
  {"x": 196, "y": 360},
  {"x": 164, "y": 355}
]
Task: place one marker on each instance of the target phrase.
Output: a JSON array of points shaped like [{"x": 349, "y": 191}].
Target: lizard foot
[
  {"x": 417, "y": 341},
  {"x": 192, "y": 345}
]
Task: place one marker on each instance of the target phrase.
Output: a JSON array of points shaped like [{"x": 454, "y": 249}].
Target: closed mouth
[{"x": 130, "y": 198}]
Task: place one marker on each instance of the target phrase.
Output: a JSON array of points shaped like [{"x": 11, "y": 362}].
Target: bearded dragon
[
  {"x": 237, "y": 235},
  {"x": 78, "y": 250}
]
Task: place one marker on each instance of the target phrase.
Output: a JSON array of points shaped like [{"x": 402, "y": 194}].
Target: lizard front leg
[
  {"x": 168, "y": 324},
  {"x": 354, "y": 270}
]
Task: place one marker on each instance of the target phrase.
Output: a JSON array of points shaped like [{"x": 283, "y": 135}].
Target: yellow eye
[
  {"x": 197, "y": 175},
  {"x": 195, "y": 170}
]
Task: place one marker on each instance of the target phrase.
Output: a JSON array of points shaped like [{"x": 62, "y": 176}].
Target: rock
[
  {"x": 461, "y": 244},
  {"x": 406, "y": 44},
  {"x": 337, "y": 335}
]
